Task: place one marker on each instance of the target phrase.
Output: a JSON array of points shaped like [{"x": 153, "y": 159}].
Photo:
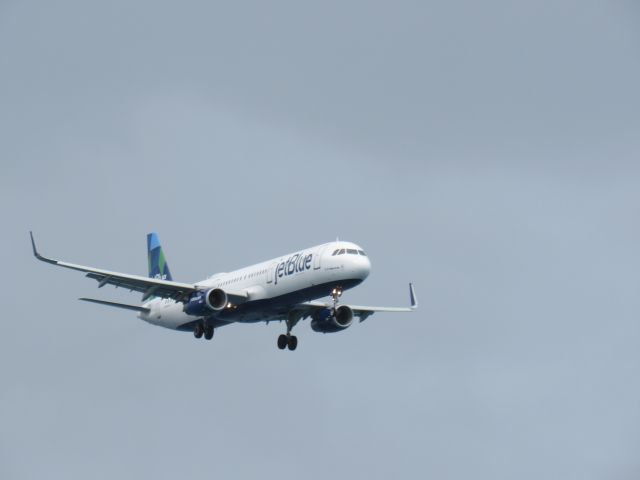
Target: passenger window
[{"x": 352, "y": 251}]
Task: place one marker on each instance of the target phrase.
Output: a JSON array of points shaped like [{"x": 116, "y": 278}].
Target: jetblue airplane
[{"x": 285, "y": 288}]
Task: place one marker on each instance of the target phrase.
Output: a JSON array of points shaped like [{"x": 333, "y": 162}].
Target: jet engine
[
  {"x": 206, "y": 302},
  {"x": 328, "y": 321}
]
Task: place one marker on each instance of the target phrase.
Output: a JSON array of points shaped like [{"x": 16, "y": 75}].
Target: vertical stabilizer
[{"x": 158, "y": 266}]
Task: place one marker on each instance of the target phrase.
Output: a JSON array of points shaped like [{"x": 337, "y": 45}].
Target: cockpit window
[
  {"x": 341, "y": 252},
  {"x": 335, "y": 252},
  {"x": 352, "y": 251},
  {"x": 362, "y": 253}
]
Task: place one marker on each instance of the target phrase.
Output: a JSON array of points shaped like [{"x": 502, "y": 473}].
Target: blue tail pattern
[{"x": 158, "y": 266}]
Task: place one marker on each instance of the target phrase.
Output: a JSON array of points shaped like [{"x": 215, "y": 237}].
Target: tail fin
[{"x": 158, "y": 266}]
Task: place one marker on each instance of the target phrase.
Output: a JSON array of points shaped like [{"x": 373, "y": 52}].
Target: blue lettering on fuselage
[{"x": 295, "y": 264}]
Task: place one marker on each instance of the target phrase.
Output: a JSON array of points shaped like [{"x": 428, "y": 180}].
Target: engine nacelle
[
  {"x": 326, "y": 321},
  {"x": 206, "y": 302}
]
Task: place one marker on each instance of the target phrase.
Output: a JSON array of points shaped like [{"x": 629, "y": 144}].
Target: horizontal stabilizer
[{"x": 115, "y": 304}]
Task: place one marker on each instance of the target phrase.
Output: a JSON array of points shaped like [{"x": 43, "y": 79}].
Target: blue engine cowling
[
  {"x": 206, "y": 302},
  {"x": 326, "y": 321}
]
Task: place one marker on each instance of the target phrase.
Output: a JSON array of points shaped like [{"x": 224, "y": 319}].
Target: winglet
[
  {"x": 36, "y": 254},
  {"x": 33, "y": 245},
  {"x": 412, "y": 294}
]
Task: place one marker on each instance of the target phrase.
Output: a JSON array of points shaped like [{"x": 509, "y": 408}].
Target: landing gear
[
  {"x": 198, "y": 331},
  {"x": 208, "y": 332},
  {"x": 287, "y": 340},
  {"x": 336, "y": 293}
]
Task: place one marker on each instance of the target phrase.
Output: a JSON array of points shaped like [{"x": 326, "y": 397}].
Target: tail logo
[{"x": 158, "y": 267}]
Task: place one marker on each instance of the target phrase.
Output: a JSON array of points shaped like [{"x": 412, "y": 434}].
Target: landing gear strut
[{"x": 336, "y": 293}]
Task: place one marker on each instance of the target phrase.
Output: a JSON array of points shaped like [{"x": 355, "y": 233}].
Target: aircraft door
[
  {"x": 271, "y": 272},
  {"x": 317, "y": 257}
]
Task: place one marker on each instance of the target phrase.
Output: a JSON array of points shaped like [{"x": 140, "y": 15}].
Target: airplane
[{"x": 285, "y": 288}]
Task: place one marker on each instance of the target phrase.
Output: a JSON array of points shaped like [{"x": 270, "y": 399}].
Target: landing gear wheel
[
  {"x": 292, "y": 342},
  {"x": 198, "y": 331},
  {"x": 208, "y": 332},
  {"x": 283, "y": 341}
]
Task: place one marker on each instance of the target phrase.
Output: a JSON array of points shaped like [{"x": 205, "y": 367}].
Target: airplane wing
[
  {"x": 149, "y": 287},
  {"x": 135, "y": 308},
  {"x": 360, "y": 311}
]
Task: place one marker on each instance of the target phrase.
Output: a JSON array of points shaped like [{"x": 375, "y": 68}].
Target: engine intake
[
  {"x": 328, "y": 321},
  {"x": 217, "y": 299}
]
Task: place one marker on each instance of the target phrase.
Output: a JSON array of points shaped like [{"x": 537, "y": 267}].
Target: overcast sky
[{"x": 486, "y": 151}]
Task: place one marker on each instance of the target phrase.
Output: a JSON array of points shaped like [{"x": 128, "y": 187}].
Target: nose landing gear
[{"x": 336, "y": 293}]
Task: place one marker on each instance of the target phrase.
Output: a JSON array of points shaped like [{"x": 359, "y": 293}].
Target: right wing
[
  {"x": 149, "y": 287},
  {"x": 362, "y": 312}
]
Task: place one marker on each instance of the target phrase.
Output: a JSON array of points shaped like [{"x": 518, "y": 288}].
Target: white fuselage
[{"x": 301, "y": 276}]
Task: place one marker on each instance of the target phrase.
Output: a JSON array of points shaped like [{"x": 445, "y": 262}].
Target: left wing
[
  {"x": 362, "y": 312},
  {"x": 126, "y": 306},
  {"x": 149, "y": 287}
]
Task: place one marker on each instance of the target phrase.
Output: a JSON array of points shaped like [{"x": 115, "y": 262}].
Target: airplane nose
[{"x": 362, "y": 267}]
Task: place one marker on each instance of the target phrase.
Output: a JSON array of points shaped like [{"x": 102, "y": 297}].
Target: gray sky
[{"x": 487, "y": 151}]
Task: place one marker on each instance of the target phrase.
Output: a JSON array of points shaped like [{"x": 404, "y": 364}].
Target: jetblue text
[{"x": 294, "y": 264}]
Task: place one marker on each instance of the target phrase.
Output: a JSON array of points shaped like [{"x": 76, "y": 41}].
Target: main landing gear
[
  {"x": 199, "y": 330},
  {"x": 288, "y": 340}
]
